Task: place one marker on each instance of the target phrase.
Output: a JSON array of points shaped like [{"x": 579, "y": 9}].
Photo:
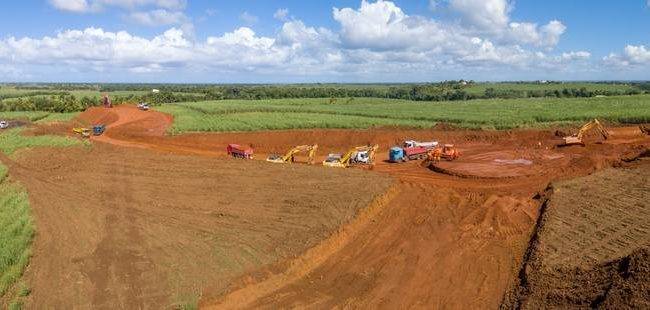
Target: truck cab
[{"x": 396, "y": 154}]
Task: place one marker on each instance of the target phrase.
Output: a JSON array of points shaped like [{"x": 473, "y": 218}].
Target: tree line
[{"x": 62, "y": 101}]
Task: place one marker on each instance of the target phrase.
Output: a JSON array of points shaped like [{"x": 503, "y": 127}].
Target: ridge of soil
[{"x": 591, "y": 247}]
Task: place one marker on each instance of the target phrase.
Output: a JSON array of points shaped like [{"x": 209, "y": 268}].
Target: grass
[
  {"x": 243, "y": 115},
  {"x": 16, "y": 233},
  {"x": 11, "y": 140},
  {"x": 38, "y": 116}
]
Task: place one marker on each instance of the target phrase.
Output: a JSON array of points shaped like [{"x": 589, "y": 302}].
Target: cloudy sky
[{"x": 250, "y": 41}]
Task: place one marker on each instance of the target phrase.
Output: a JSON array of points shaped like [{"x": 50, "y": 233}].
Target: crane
[
  {"x": 591, "y": 125},
  {"x": 356, "y": 155},
  {"x": 289, "y": 156}
]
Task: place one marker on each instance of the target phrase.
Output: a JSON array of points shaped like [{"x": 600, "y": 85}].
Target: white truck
[{"x": 4, "y": 124}]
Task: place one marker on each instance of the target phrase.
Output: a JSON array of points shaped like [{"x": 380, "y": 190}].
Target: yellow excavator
[
  {"x": 577, "y": 138},
  {"x": 84, "y": 132},
  {"x": 289, "y": 156},
  {"x": 362, "y": 155}
]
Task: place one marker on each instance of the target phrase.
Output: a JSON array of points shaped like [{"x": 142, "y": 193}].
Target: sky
[{"x": 352, "y": 41}]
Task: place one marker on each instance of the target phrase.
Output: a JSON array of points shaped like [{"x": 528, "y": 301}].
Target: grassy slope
[
  {"x": 242, "y": 115},
  {"x": 11, "y": 140}
]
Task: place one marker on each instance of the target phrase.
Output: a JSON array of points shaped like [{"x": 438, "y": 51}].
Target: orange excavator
[
  {"x": 577, "y": 138},
  {"x": 447, "y": 152}
]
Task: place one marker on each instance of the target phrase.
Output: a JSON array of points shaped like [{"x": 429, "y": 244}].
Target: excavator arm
[
  {"x": 592, "y": 125},
  {"x": 310, "y": 149}
]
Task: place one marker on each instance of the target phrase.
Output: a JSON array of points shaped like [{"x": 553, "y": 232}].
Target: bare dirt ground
[
  {"x": 592, "y": 247},
  {"x": 129, "y": 228},
  {"x": 454, "y": 239}
]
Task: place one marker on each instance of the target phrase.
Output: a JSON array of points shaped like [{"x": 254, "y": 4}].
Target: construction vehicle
[
  {"x": 447, "y": 152},
  {"x": 289, "y": 156},
  {"x": 577, "y": 138},
  {"x": 361, "y": 155},
  {"x": 237, "y": 151},
  {"x": 106, "y": 101},
  {"x": 84, "y": 132},
  {"x": 143, "y": 106},
  {"x": 4, "y": 125},
  {"x": 98, "y": 130},
  {"x": 410, "y": 149}
]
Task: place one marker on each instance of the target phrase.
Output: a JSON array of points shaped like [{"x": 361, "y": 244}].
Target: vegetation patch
[
  {"x": 249, "y": 115},
  {"x": 16, "y": 232},
  {"x": 12, "y": 140}
]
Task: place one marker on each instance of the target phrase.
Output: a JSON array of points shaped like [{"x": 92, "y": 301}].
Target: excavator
[
  {"x": 84, "y": 132},
  {"x": 289, "y": 156},
  {"x": 577, "y": 138},
  {"x": 364, "y": 155},
  {"x": 447, "y": 152}
]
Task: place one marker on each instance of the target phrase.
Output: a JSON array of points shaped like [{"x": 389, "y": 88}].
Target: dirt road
[{"x": 451, "y": 240}]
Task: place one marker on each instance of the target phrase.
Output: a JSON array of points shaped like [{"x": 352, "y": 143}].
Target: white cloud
[
  {"x": 281, "y": 15},
  {"x": 433, "y": 5},
  {"x": 81, "y": 6},
  {"x": 76, "y": 6},
  {"x": 376, "y": 39},
  {"x": 248, "y": 18},
  {"x": 158, "y": 17},
  {"x": 491, "y": 15},
  {"x": 633, "y": 55},
  {"x": 579, "y": 55}
]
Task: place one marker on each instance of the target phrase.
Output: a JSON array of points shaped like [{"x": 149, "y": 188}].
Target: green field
[
  {"x": 38, "y": 116},
  {"x": 12, "y": 140},
  {"x": 243, "y": 115}
]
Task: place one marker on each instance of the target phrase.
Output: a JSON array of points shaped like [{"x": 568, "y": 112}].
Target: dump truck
[
  {"x": 361, "y": 155},
  {"x": 98, "y": 130},
  {"x": 410, "y": 149},
  {"x": 577, "y": 139},
  {"x": 289, "y": 156},
  {"x": 237, "y": 151}
]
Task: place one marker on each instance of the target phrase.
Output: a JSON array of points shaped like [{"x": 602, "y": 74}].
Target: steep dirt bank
[{"x": 592, "y": 245}]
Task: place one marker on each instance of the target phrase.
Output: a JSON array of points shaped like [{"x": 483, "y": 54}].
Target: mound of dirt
[{"x": 592, "y": 247}]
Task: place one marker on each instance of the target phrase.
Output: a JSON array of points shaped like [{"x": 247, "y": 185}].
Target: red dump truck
[{"x": 237, "y": 151}]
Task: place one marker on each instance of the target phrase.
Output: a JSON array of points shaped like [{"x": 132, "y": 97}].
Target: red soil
[{"x": 453, "y": 239}]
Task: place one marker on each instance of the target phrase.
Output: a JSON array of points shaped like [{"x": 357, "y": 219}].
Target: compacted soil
[{"x": 130, "y": 228}]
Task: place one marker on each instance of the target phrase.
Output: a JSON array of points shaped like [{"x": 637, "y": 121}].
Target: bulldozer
[
  {"x": 577, "y": 138},
  {"x": 289, "y": 156},
  {"x": 360, "y": 155},
  {"x": 447, "y": 152}
]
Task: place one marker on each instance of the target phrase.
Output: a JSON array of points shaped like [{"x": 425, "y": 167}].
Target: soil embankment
[{"x": 592, "y": 246}]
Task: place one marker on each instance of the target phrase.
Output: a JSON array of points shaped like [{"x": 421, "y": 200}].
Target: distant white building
[{"x": 155, "y": 91}]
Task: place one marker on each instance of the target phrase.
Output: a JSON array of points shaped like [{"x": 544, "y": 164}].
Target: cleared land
[
  {"x": 592, "y": 248},
  {"x": 250, "y": 115},
  {"x": 139, "y": 216},
  {"x": 129, "y": 228}
]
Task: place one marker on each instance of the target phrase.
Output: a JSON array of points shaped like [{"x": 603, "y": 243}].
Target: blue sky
[{"x": 251, "y": 41}]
